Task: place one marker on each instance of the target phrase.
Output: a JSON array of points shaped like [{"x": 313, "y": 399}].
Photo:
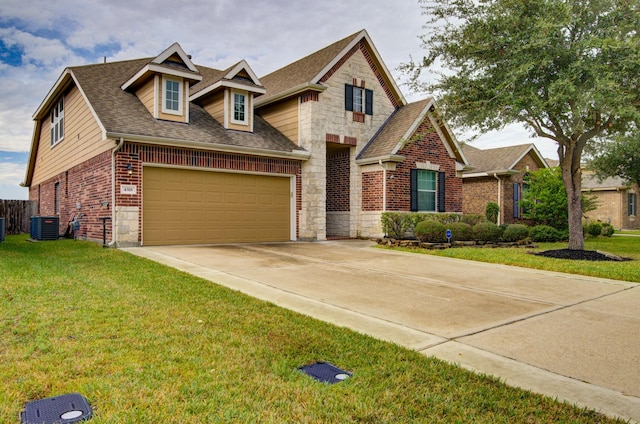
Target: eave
[
  {"x": 153, "y": 68},
  {"x": 302, "y": 155},
  {"x": 380, "y": 159},
  {"x": 497, "y": 172},
  {"x": 226, "y": 84}
]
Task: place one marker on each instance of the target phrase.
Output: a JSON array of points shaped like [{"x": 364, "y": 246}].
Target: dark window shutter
[
  {"x": 516, "y": 200},
  {"x": 348, "y": 97},
  {"x": 414, "y": 190},
  {"x": 441, "y": 192},
  {"x": 368, "y": 102}
]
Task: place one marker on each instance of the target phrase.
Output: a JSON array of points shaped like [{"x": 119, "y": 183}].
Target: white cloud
[{"x": 11, "y": 176}]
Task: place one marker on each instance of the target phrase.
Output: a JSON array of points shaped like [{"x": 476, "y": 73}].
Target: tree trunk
[{"x": 572, "y": 177}]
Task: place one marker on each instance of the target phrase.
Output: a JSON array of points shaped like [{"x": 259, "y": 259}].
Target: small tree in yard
[
  {"x": 546, "y": 200},
  {"x": 569, "y": 70}
]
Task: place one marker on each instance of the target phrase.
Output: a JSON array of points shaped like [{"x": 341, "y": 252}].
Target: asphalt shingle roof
[
  {"x": 498, "y": 159},
  {"x": 385, "y": 141},
  {"x": 122, "y": 112},
  {"x": 302, "y": 71}
]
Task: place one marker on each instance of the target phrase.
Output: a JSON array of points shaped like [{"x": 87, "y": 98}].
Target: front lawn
[
  {"x": 627, "y": 247},
  {"x": 148, "y": 344}
]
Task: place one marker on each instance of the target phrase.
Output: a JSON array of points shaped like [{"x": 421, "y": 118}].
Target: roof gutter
[
  {"x": 134, "y": 138},
  {"x": 380, "y": 160},
  {"x": 491, "y": 173}
]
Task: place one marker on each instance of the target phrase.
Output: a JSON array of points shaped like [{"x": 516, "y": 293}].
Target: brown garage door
[{"x": 182, "y": 206}]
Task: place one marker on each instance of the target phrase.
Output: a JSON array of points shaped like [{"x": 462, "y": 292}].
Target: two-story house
[{"x": 163, "y": 151}]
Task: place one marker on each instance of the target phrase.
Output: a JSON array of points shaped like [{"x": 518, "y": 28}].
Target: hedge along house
[
  {"x": 497, "y": 175},
  {"x": 173, "y": 153}
]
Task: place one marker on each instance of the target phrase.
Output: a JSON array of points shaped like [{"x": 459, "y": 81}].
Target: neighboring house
[
  {"x": 497, "y": 176},
  {"x": 617, "y": 201},
  {"x": 167, "y": 152}
]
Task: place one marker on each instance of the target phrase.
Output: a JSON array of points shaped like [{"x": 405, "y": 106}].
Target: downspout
[
  {"x": 114, "y": 233},
  {"x": 384, "y": 186},
  {"x": 495, "y": 175}
]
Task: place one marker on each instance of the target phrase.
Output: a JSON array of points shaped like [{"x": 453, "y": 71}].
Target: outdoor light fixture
[{"x": 129, "y": 169}]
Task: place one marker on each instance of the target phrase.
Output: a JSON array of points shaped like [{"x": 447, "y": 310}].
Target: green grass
[
  {"x": 627, "y": 247},
  {"x": 149, "y": 344}
]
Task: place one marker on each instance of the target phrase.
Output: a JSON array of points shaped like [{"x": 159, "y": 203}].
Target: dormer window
[
  {"x": 57, "y": 123},
  {"x": 239, "y": 108},
  {"x": 172, "y": 96}
]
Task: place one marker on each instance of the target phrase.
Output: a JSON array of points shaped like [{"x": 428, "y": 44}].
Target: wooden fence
[{"x": 17, "y": 214}]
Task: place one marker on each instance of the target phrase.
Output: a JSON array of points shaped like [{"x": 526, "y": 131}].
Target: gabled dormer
[
  {"x": 229, "y": 96},
  {"x": 164, "y": 83}
]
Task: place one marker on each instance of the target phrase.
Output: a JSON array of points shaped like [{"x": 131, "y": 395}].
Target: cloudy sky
[{"x": 39, "y": 38}]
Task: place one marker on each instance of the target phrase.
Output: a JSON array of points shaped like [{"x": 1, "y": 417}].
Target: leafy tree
[
  {"x": 569, "y": 70},
  {"x": 545, "y": 199},
  {"x": 619, "y": 159}
]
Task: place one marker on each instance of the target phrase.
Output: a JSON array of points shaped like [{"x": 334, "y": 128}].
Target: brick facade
[
  {"x": 338, "y": 181},
  {"x": 85, "y": 192},
  {"x": 372, "y": 191},
  {"x": 426, "y": 147},
  {"x": 478, "y": 191},
  {"x": 613, "y": 208},
  {"x": 138, "y": 154}
]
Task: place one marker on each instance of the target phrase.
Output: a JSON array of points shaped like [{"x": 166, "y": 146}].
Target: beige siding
[
  {"x": 82, "y": 140},
  {"x": 284, "y": 117},
  {"x": 146, "y": 95},
  {"x": 215, "y": 107}
]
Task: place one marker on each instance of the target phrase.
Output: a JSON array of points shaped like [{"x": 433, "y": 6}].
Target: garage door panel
[{"x": 194, "y": 207}]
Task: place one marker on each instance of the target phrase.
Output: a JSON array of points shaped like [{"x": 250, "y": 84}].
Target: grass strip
[{"x": 147, "y": 344}]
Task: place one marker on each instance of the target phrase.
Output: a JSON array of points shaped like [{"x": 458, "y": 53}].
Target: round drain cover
[{"x": 71, "y": 415}]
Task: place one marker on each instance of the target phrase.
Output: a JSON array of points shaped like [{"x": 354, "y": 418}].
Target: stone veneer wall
[{"x": 328, "y": 116}]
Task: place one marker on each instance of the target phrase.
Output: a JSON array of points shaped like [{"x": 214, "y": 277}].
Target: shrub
[
  {"x": 607, "y": 230},
  {"x": 472, "y": 219},
  {"x": 396, "y": 224},
  {"x": 515, "y": 232},
  {"x": 545, "y": 234},
  {"x": 430, "y": 231},
  {"x": 461, "y": 231},
  {"x": 486, "y": 231},
  {"x": 492, "y": 211},
  {"x": 594, "y": 229}
]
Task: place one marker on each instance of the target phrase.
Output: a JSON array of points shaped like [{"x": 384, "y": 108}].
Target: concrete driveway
[{"x": 571, "y": 337}]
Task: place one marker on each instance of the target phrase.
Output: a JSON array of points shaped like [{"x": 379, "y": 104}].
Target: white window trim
[
  {"x": 232, "y": 108},
  {"x": 180, "y": 96},
  {"x": 58, "y": 121}
]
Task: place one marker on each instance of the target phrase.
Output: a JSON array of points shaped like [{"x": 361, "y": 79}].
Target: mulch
[{"x": 585, "y": 255}]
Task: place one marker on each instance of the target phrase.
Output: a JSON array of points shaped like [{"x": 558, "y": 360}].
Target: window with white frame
[
  {"x": 239, "y": 115},
  {"x": 57, "y": 123},
  {"x": 633, "y": 204},
  {"x": 172, "y": 96},
  {"x": 426, "y": 190}
]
